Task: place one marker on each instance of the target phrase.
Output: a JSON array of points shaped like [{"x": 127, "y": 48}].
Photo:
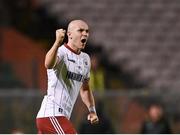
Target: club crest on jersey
[{"x": 85, "y": 62}]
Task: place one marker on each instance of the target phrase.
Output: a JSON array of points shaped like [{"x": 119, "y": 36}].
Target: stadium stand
[{"x": 141, "y": 37}]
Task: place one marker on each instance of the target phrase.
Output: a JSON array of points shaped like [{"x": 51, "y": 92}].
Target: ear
[{"x": 69, "y": 34}]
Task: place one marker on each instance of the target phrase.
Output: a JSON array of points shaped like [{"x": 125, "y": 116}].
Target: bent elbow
[
  {"x": 48, "y": 66},
  {"x": 49, "y": 62}
]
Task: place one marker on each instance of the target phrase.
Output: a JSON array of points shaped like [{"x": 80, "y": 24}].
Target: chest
[{"x": 76, "y": 64}]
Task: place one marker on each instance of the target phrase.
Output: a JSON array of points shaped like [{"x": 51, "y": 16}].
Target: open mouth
[{"x": 83, "y": 40}]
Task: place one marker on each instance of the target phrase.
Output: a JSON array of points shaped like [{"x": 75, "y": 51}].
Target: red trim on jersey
[{"x": 68, "y": 47}]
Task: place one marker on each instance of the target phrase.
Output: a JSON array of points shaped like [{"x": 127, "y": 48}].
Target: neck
[{"x": 74, "y": 48}]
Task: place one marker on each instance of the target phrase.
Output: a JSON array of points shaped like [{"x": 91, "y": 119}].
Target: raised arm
[
  {"x": 51, "y": 56},
  {"x": 88, "y": 100}
]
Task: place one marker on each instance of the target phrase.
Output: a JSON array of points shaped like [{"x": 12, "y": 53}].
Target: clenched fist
[
  {"x": 93, "y": 118},
  {"x": 60, "y": 34}
]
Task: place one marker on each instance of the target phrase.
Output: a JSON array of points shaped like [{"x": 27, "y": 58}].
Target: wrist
[
  {"x": 92, "y": 109},
  {"x": 58, "y": 41}
]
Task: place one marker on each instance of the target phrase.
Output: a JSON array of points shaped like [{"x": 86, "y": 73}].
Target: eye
[
  {"x": 87, "y": 31},
  {"x": 80, "y": 30},
  {"x": 83, "y": 30}
]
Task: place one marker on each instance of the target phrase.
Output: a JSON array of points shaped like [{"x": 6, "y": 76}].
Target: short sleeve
[
  {"x": 60, "y": 55},
  {"x": 87, "y": 64}
]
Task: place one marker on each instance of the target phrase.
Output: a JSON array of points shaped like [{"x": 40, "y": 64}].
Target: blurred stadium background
[{"x": 138, "y": 42}]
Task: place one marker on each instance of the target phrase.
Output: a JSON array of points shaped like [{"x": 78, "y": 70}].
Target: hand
[
  {"x": 93, "y": 118},
  {"x": 60, "y": 34}
]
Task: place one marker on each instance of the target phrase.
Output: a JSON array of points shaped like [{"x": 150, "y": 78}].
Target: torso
[{"x": 64, "y": 82}]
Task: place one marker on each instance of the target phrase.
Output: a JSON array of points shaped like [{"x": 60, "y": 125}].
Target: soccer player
[{"x": 68, "y": 70}]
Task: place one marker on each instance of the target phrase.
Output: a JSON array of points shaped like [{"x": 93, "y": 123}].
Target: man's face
[
  {"x": 155, "y": 113},
  {"x": 78, "y": 34}
]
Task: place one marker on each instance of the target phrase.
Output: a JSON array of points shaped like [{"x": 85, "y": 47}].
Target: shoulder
[
  {"x": 85, "y": 55},
  {"x": 61, "y": 48},
  {"x": 86, "y": 58}
]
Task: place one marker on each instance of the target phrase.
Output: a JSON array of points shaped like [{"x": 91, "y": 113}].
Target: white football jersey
[{"x": 64, "y": 82}]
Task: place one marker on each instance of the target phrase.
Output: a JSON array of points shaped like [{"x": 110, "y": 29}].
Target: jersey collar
[{"x": 69, "y": 48}]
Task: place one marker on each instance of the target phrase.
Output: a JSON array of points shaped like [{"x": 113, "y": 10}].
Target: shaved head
[
  {"x": 75, "y": 23},
  {"x": 78, "y": 33}
]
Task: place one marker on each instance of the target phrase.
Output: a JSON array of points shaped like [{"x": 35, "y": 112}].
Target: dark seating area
[
  {"x": 135, "y": 41},
  {"x": 140, "y": 37},
  {"x": 8, "y": 79}
]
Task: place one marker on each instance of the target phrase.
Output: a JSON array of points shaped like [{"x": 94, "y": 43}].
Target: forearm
[
  {"x": 51, "y": 56},
  {"x": 88, "y": 98}
]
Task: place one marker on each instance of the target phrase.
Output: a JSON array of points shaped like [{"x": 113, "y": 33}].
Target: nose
[{"x": 85, "y": 33}]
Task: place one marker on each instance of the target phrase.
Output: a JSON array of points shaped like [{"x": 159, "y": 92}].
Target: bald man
[{"x": 68, "y": 71}]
